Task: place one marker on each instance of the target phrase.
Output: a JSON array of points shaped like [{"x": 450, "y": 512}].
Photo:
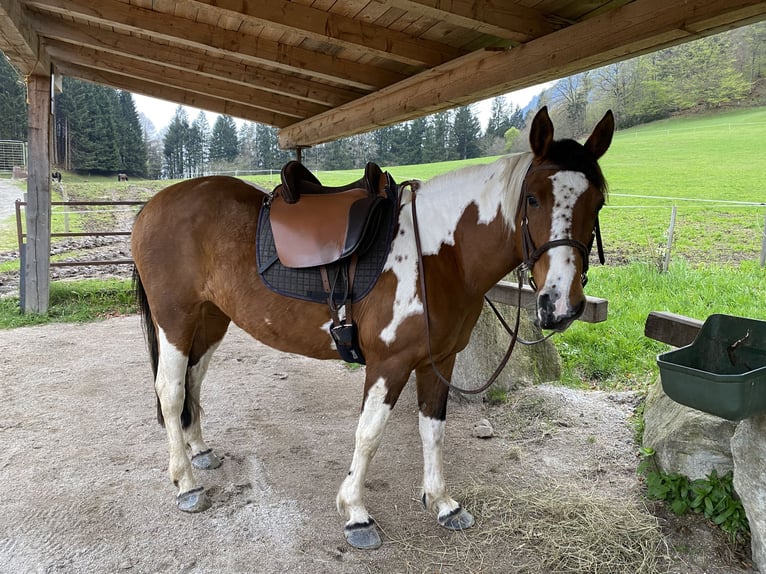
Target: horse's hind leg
[
  {"x": 432, "y": 399},
  {"x": 206, "y": 340},
  {"x": 170, "y": 386}
]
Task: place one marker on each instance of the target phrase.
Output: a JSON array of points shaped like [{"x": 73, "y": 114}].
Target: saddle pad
[
  {"x": 315, "y": 230},
  {"x": 306, "y": 283}
]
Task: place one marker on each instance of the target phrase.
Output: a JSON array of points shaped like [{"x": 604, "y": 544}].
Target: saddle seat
[{"x": 314, "y": 225}]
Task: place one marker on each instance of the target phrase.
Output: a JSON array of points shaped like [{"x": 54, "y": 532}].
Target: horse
[
  {"x": 194, "y": 249},
  {"x": 122, "y": 177}
]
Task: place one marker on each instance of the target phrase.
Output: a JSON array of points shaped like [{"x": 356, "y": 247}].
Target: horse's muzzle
[{"x": 555, "y": 313}]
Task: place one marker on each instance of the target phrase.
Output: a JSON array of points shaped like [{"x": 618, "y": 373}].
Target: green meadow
[{"x": 709, "y": 167}]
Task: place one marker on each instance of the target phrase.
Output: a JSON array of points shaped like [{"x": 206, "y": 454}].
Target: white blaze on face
[
  {"x": 441, "y": 203},
  {"x": 568, "y": 186}
]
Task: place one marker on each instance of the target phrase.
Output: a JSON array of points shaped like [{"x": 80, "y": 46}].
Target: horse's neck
[{"x": 483, "y": 243}]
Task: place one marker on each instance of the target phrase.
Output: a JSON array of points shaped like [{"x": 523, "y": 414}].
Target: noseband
[{"x": 531, "y": 254}]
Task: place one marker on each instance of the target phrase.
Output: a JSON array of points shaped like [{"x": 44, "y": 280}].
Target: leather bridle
[{"x": 530, "y": 254}]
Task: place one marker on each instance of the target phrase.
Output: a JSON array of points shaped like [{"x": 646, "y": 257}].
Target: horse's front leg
[
  {"x": 380, "y": 397},
  {"x": 171, "y": 392},
  {"x": 432, "y": 401}
]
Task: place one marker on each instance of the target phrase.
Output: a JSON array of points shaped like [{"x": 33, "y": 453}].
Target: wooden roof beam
[
  {"x": 502, "y": 19},
  {"x": 181, "y": 97},
  {"x": 341, "y": 30},
  {"x": 191, "y": 59},
  {"x": 622, "y": 33},
  {"x": 19, "y": 41},
  {"x": 179, "y": 78},
  {"x": 208, "y": 37}
]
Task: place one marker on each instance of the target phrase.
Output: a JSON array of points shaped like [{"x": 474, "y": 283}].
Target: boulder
[
  {"x": 748, "y": 447},
  {"x": 686, "y": 441},
  {"x": 489, "y": 341}
]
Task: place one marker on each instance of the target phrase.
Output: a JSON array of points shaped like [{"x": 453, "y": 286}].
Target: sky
[{"x": 160, "y": 112}]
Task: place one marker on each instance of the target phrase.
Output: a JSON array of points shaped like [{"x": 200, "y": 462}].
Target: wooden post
[
  {"x": 763, "y": 245},
  {"x": 38, "y": 214},
  {"x": 666, "y": 262}
]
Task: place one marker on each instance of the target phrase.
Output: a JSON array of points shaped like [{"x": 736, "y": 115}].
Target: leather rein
[{"x": 530, "y": 255}]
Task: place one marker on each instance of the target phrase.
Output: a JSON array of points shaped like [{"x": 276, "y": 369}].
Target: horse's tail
[
  {"x": 191, "y": 409},
  {"x": 149, "y": 331}
]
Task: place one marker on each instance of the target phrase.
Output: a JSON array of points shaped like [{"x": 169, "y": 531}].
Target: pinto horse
[{"x": 195, "y": 270}]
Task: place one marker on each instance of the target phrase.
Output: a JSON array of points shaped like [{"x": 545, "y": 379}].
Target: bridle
[{"x": 530, "y": 255}]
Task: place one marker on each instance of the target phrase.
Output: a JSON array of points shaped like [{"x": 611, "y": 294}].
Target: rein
[{"x": 530, "y": 255}]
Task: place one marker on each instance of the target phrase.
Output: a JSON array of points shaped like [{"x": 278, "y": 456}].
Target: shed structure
[{"x": 321, "y": 69}]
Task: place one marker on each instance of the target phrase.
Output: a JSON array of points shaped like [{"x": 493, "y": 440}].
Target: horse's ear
[
  {"x": 541, "y": 134},
  {"x": 599, "y": 140}
]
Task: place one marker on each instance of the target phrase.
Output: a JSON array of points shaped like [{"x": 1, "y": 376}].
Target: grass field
[{"x": 710, "y": 167}]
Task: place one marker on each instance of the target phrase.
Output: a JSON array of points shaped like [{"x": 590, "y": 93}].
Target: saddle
[
  {"x": 327, "y": 244},
  {"x": 314, "y": 225}
]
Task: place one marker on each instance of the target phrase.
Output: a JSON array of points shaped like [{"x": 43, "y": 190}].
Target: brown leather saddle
[
  {"x": 314, "y": 225},
  {"x": 327, "y": 244}
]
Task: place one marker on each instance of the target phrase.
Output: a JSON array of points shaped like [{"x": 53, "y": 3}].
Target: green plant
[
  {"x": 497, "y": 396},
  {"x": 712, "y": 496}
]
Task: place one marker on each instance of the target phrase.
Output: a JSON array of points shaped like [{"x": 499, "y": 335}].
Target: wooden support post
[
  {"x": 38, "y": 247},
  {"x": 671, "y": 230}
]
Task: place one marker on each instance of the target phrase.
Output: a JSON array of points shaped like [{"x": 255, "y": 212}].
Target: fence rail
[{"x": 22, "y": 235}]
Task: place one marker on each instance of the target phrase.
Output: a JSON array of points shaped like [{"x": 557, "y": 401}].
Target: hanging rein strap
[{"x": 413, "y": 185}]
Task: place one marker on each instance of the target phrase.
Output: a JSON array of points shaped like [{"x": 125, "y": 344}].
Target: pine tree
[
  {"x": 174, "y": 145},
  {"x": 13, "y": 106},
  {"x": 464, "y": 140},
  {"x": 132, "y": 148},
  {"x": 224, "y": 145}
]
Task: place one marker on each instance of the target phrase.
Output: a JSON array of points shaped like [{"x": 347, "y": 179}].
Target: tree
[
  {"x": 174, "y": 145},
  {"x": 465, "y": 133},
  {"x": 13, "y": 106},
  {"x": 499, "y": 118},
  {"x": 572, "y": 94},
  {"x": 197, "y": 145},
  {"x": 132, "y": 148},
  {"x": 436, "y": 142},
  {"x": 224, "y": 145}
]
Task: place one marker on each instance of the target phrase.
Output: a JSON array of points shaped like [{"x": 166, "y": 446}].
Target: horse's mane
[{"x": 490, "y": 185}]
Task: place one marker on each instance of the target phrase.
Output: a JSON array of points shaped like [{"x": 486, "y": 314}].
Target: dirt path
[
  {"x": 84, "y": 484},
  {"x": 9, "y": 193}
]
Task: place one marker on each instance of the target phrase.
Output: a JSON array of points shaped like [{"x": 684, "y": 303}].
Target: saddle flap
[{"x": 323, "y": 228}]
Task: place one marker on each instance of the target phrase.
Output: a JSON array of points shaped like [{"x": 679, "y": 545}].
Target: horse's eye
[{"x": 532, "y": 201}]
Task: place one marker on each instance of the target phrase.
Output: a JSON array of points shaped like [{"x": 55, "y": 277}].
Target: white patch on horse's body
[
  {"x": 441, "y": 203},
  {"x": 169, "y": 384},
  {"x": 434, "y": 487},
  {"x": 369, "y": 432},
  {"x": 325, "y": 327},
  {"x": 568, "y": 186}
]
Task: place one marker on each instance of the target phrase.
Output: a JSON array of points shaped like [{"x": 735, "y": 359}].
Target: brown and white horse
[{"x": 194, "y": 251}]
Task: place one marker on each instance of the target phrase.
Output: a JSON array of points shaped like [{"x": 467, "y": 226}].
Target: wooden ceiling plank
[
  {"x": 184, "y": 79},
  {"x": 627, "y": 31},
  {"x": 206, "y": 36},
  {"x": 181, "y": 97},
  {"x": 190, "y": 59},
  {"x": 502, "y": 19},
  {"x": 18, "y": 41},
  {"x": 343, "y": 30}
]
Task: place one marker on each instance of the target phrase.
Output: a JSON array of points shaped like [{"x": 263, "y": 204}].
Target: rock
[
  {"x": 489, "y": 341},
  {"x": 483, "y": 429},
  {"x": 749, "y": 450},
  {"x": 685, "y": 440}
]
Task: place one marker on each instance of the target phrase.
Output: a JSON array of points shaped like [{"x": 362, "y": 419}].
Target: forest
[{"x": 98, "y": 130}]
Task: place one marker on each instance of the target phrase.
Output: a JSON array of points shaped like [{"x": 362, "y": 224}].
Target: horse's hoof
[
  {"x": 195, "y": 500},
  {"x": 206, "y": 460},
  {"x": 458, "y": 519},
  {"x": 363, "y": 536}
]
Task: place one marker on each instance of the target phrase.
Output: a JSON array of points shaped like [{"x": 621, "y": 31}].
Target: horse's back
[{"x": 193, "y": 226}]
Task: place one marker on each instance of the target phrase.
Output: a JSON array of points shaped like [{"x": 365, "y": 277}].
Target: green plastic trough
[{"x": 723, "y": 372}]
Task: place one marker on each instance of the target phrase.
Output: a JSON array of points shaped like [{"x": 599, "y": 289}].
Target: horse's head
[{"x": 557, "y": 220}]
